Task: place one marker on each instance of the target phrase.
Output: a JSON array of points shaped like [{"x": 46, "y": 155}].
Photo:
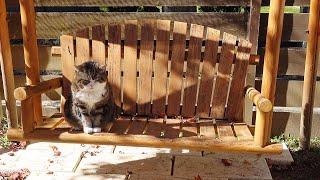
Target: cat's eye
[{"x": 85, "y": 82}]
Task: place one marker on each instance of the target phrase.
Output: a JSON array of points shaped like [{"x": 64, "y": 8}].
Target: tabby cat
[{"x": 91, "y": 104}]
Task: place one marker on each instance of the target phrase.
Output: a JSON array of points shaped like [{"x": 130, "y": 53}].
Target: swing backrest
[{"x": 158, "y": 67}]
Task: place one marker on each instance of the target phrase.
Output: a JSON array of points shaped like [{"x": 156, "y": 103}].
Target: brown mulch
[{"x": 306, "y": 166}]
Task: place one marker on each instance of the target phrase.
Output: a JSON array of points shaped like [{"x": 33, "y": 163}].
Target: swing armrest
[
  {"x": 25, "y": 92},
  {"x": 256, "y": 97}
]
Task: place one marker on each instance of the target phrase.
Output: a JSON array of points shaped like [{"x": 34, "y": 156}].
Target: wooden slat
[
  {"x": 130, "y": 67},
  {"x": 207, "y": 129},
  {"x": 189, "y": 129},
  {"x": 222, "y": 83},
  {"x": 82, "y": 46},
  {"x": 120, "y": 126},
  {"x": 296, "y": 27},
  {"x": 242, "y": 132},
  {"x": 192, "y": 74},
  {"x": 137, "y": 126},
  {"x": 236, "y": 94},
  {"x": 98, "y": 44},
  {"x": 141, "y": 3},
  {"x": 161, "y": 67},
  {"x": 172, "y": 128},
  {"x": 62, "y": 23},
  {"x": 176, "y": 71},
  {"x": 145, "y": 69},
  {"x": 53, "y": 123},
  {"x": 225, "y": 131},
  {"x": 208, "y": 70},
  {"x": 292, "y": 61},
  {"x": 154, "y": 127},
  {"x": 67, "y": 58},
  {"x": 114, "y": 61}
]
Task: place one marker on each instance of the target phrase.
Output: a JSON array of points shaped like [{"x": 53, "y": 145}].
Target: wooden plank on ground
[
  {"x": 211, "y": 167},
  {"x": 225, "y": 131},
  {"x": 145, "y": 69},
  {"x": 208, "y": 70},
  {"x": 130, "y": 67},
  {"x": 242, "y": 131},
  {"x": 67, "y": 58},
  {"x": 114, "y": 61},
  {"x": 222, "y": 83},
  {"x": 192, "y": 74},
  {"x": 161, "y": 67},
  {"x": 63, "y": 23},
  {"x": 176, "y": 71},
  {"x": 236, "y": 94},
  {"x": 98, "y": 44},
  {"x": 82, "y": 46}
]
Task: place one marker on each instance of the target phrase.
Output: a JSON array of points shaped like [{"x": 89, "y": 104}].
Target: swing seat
[{"x": 178, "y": 86}]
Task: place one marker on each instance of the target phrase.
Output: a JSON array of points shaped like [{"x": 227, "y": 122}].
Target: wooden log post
[
  {"x": 6, "y": 68},
  {"x": 310, "y": 74},
  {"x": 270, "y": 68},
  {"x": 31, "y": 57}
]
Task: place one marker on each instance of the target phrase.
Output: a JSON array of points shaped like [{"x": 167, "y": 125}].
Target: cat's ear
[
  {"x": 76, "y": 69},
  {"x": 103, "y": 67}
]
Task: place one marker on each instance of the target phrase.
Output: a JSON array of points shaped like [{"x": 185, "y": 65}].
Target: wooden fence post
[
  {"x": 253, "y": 36},
  {"x": 270, "y": 68},
  {"x": 6, "y": 68},
  {"x": 310, "y": 75},
  {"x": 31, "y": 57}
]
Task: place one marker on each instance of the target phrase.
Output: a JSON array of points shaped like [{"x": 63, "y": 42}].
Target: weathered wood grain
[
  {"x": 82, "y": 46},
  {"x": 207, "y": 74},
  {"x": 296, "y": 27},
  {"x": 31, "y": 57},
  {"x": 114, "y": 61},
  {"x": 145, "y": 66},
  {"x": 161, "y": 67},
  {"x": 223, "y": 78},
  {"x": 236, "y": 95},
  {"x": 67, "y": 58},
  {"x": 130, "y": 67},
  {"x": 176, "y": 71},
  {"x": 192, "y": 73},
  {"x": 98, "y": 44}
]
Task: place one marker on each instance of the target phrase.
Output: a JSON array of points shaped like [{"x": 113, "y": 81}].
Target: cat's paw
[
  {"x": 96, "y": 130},
  {"x": 88, "y": 130}
]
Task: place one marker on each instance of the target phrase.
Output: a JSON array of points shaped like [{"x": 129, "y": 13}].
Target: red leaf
[{"x": 226, "y": 162}]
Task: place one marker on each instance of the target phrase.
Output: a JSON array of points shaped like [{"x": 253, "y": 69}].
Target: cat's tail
[{"x": 70, "y": 114}]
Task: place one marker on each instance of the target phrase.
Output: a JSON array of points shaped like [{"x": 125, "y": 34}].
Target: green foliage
[
  {"x": 293, "y": 142},
  {"x": 4, "y": 142}
]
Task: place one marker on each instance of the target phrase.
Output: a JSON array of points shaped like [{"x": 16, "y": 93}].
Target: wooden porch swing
[{"x": 165, "y": 82}]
